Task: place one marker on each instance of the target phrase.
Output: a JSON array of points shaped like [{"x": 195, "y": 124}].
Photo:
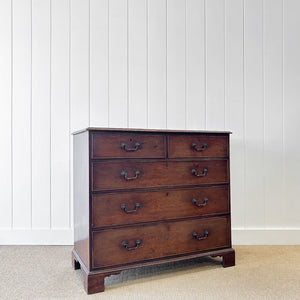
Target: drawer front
[
  {"x": 126, "y": 245},
  {"x": 127, "y": 146},
  {"x": 127, "y": 175},
  {"x": 125, "y": 208},
  {"x": 198, "y": 146}
]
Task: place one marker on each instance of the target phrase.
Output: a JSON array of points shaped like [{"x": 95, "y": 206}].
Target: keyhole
[
  {"x": 130, "y": 139},
  {"x": 167, "y": 194}
]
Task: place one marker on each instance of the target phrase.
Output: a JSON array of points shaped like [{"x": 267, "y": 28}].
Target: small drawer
[
  {"x": 126, "y": 207},
  {"x": 127, "y": 145},
  {"x": 198, "y": 146},
  {"x": 133, "y": 244},
  {"x": 107, "y": 175}
]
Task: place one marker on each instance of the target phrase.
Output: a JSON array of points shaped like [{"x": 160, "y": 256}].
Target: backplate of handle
[
  {"x": 124, "y": 174},
  {"x": 200, "y": 238},
  {"x": 136, "y": 147},
  {"x": 202, "y": 148},
  {"x": 124, "y": 207},
  {"x": 195, "y": 202},
  {"x": 137, "y": 244},
  {"x": 195, "y": 172}
]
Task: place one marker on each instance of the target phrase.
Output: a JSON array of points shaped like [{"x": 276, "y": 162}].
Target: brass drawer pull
[
  {"x": 137, "y": 244},
  {"x": 194, "y": 172},
  {"x": 137, "y": 146},
  {"x": 124, "y": 207},
  {"x": 124, "y": 174},
  {"x": 194, "y": 146},
  {"x": 200, "y": 238},
  {"x": 195, "y": 202}
]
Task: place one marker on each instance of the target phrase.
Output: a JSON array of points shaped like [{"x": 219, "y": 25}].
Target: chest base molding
[{"x": 94, "y": 280}]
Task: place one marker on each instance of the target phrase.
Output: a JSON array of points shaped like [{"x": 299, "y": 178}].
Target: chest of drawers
[{"x": 146, "y": 197}]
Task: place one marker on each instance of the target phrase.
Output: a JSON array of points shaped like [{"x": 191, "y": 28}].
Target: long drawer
[
  {"x": 133, "y": 244},
  {"x": 125, "y": 175},
  {"x": 126, "y": 207}
]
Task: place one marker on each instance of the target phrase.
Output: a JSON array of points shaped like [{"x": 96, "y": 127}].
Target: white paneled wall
[{"x": 177, "y": 64}]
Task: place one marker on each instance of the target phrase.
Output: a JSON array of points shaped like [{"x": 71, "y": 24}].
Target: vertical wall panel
[
  {"x": 60, "y": 118},
  {"x": 176, "y": 56},
  {"x": 292, "y": 111},
  {"x": 79, "y": 80},
  {"x": 41, "y": 114},
  {"x": 157, "y": 57},
  {"x": 98, "y": 63},
  {"x": 21, "y": 105},
  {"x": 80, "y": 64},
  {"x": 118, "y": 55},
  {"x": 137, "y": 63},
  {"x": 234, "y": 96},
  {"x": 5, "y": 113},
  {"x": 195, "y": 64},
  {"x": 273, "y": 79},
  {"x": 215, "y": 64},
  {"x": 254, "y": 115}
]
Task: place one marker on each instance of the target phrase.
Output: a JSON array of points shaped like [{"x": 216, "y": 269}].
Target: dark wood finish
[
  {"x": 229, "y": 259},
  {"x": 107, "y": 174},
  {"x": 158, "y": 240},
  {"x": 81, "y": 197},
  {"x": 157, "y": 205},
  {"x": 132, "y": 130},
  {"x": 93, "y": 283},
  {"x": 135, "y": 145},
  {"x": 197, "y": 146},
  {"x": 164, "y": 260},
  {"x": 142, "y": 199},
  {"x": 75, "y": 263}
]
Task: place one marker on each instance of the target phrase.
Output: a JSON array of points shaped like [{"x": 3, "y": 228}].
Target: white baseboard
[
  {"x": 36, "y": 237},
  {"x": 240, "y": 236},
  {"x": 270, "y": 236}
]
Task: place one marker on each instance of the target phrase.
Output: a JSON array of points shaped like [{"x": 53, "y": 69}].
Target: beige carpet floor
[{"x": 261, "y": 272}]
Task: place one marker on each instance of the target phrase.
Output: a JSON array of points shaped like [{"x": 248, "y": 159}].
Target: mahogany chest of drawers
[{"x": 145, "y": 197}]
